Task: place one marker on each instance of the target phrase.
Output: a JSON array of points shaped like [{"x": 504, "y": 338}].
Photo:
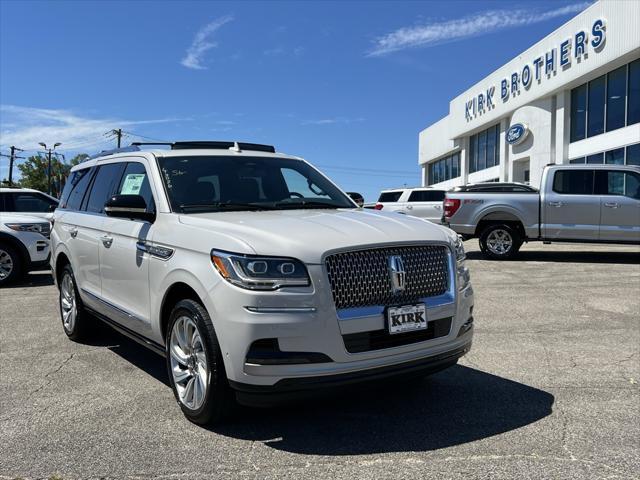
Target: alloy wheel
[
  {"x": 68, "y": 304},
  {"x": 6, "y": 264},
  {"x": 189, "y": 366},
  {"x": 499, "y": 242}
]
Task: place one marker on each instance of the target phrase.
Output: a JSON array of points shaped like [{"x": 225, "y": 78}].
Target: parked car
[
  {"x": 423, "y": 202},
  {"x": 576, "y": 203},
  {"x": 27, "y": 202},
  {"x": 24, "y": 246},
  {"x": 254, "y": 275}
]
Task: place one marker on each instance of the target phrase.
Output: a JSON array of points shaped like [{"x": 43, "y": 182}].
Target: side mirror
[
  {"x": 52, "y": 207},
  {"x": 128, "y": 206},
  {"x": 356, "y": 197}
]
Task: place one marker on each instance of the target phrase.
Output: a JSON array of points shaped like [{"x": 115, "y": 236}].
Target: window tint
[
  {"x": 484, "y": 149},
  {"x": 77, "y": 185},
  {"x": 633, "y": 154},
  {"x": 3, "y": 197},
  {"x": 596, "y": 158},
  {"x": 595, "y": 117},
  {"x": 633, "y": 102},
  {"x": 31, "y": 202},
  {"x": 426, "y": 196},
  {"x": 578, "y": 112},
  {"x": 104, "y": 184},
  {"x": 611, "y": 182},
  {"x": 390, "y": 196},
  {"x": 632, "y": 185},
  {"x": 577, "y": 160},
  {"x": 135, "y": 181},
  {"x": 616, "y": 98},
  {"x": 573, "y": 182},
  {"x": 615, "y": 157}
]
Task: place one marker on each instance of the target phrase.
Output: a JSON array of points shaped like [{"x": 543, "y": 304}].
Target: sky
[{"x": 346, "y": 85}]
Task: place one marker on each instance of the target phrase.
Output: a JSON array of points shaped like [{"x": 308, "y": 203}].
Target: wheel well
[
  {"x": 502, "y": 219},
  {"x": 61, "y": 261},
  {"x": 16, "y": 245},
  {"x": 175, "y": 293}
]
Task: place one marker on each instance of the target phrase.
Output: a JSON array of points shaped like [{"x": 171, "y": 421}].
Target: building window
[
  {"x": 600, "y": 105},
  {"x": 444, "y": 169},
  {"x": 484, "y": 149},
  {"x": 618, "y": 156}
]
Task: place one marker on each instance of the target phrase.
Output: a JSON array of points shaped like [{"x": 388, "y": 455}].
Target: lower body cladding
[{"x": 288, "y": 344}]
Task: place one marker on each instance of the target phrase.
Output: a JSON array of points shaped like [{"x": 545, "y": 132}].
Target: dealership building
[{"x": 573, "y": 97}]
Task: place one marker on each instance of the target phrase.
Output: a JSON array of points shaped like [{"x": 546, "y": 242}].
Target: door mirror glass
[
  {"x": 128, "y": 206},
  {"x": 356, "y": 197}
]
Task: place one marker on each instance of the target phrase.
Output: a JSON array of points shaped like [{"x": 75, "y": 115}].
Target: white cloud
[
  {"x": 435, "y": 33},
  {"x": 333, "y": 121},
  {"x": 201, "y": 43},
  {"x": 25, "y": 127}
]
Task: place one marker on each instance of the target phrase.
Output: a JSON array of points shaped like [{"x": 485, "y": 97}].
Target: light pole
[{"x": 44, "y": 145}]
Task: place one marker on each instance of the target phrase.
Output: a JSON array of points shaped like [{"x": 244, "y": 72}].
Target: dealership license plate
[{"x": 407, "y": 318}]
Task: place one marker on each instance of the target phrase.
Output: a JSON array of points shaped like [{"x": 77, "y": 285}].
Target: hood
[
  {"x": 308, "y": 234},
  {"x": 9, "y": 217}
]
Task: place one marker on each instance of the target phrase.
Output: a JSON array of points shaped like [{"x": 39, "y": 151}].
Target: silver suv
[{"x": 254, "y": 275}]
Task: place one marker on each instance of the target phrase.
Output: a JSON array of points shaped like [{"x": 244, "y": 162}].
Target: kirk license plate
[{"x": 407, "y": 318}]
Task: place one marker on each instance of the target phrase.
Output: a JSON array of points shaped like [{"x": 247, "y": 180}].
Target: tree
[{"x": 33, "y": 172}]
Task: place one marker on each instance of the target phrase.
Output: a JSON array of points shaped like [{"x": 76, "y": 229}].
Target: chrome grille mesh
[{"x": 361, "y": 278}]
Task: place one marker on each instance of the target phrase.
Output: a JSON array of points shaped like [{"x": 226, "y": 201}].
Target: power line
[{"x": 12, "y": 159}]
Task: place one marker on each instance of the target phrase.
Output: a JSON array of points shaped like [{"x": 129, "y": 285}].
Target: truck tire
[
  {"x": 195, "y": 365},
  {"x": 76, "y": 321},
  {"x": 500, "y": 242},
  {"x": 10, "y": 264}
]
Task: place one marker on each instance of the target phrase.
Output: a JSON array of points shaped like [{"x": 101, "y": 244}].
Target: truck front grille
[{"x": 361, "y": 278}]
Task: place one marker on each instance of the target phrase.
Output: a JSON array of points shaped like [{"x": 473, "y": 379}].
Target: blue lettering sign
[
  {"x": 598, "y": 33},
  {"x": 490, "y": 92},
  {"x": 565, "y": 53},
  {"x": 467, "y": 109},
  {"x": 550, "y": 61},
  {"x": 481, "y": 102},
  {"x": 538, "y": 63},
  {"x": 504, "y": 91},
  {"x": 517, "y": 133},
  {"x": 526, "y": 76},
  {"x": 514, "y": 83},
  {"x": 580, "y": 44}
]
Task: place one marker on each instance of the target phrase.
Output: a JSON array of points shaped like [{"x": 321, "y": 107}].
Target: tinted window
[
  {"x": 616, "y": 97},
  {"x": 633, "y": 103},
  {"x": 135, "y": 181},
  {"x": 573, "y": 182},
  {"x": 596, "y": 158},
  {"x": 482, "y": 150},
  {"x": 389, "y": 196},
  {"x": 491, "y": 147},
  {"x": 3, "y": 197},
  {"x": 632, "y": 185},
  {"x": 426, "y": 196},
  {"x": 578, "y": 112},
  {"x": 31, "y": 202},
  {"x": 77, "y": 184},
  {"x": 104, "y": 184},
  {"x": 595, "y": 117},
  {"x": 611, "y": 182},
  {"x": 633, "y": 154},
  {"x": 577, "y": 160},
  {"x": 615, "y": 157}
]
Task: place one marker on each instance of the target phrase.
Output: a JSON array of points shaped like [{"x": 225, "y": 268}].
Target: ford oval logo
[{"x": 517, "y": 133}]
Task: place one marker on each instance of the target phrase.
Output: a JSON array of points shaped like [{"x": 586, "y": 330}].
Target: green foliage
[{"x": 33, "y": 172}]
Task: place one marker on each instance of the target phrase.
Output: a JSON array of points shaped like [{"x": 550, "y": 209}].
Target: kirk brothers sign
[{"x": 576, "y": 48}]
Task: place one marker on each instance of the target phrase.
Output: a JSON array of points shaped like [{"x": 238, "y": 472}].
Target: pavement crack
[{"x": 48, "y": 375}]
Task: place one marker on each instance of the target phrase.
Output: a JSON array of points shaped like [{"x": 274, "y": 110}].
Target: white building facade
[{"x": 573, "y": 97}]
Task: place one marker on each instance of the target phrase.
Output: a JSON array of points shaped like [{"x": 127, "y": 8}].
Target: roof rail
[
  {"x": 222, "y": 145},
  {"x": 104, "y": 153}
]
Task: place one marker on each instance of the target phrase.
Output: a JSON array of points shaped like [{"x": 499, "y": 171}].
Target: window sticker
[{"x": 132, "y": 184}]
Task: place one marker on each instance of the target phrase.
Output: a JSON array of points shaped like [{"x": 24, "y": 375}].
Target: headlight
[
  {"x": 29, "y": 227},
  {"x": 462, "y": 271},
  {"x": 260, "y": 273}
]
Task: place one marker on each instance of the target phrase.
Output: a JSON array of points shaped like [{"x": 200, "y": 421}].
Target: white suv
[
  {"x": 422, "y": 202},
  {"x": 254, "y": 275},
  {"x": 27, "y": 202},
  {"x": 24, "y": 245}
]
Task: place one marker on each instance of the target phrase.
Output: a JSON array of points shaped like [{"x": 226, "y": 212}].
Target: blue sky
[{"x": 347, "y": 85}]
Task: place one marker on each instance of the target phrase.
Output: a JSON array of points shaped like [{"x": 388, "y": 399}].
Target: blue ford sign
[{"x": 517, "y": 133}]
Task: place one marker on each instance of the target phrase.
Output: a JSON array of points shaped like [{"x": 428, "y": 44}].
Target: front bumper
[{"x": 293, "y": 389}]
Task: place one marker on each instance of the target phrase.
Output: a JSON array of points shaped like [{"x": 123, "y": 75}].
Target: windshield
[{"x": 198, "y": 184}]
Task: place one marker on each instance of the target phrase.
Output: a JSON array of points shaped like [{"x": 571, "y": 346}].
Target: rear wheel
[
  {"x": 10, "y": 264},
  {"x": 195, "y": 364},
  {"x": 500, "y": 242},
  {"x": 76, "y": 322}
]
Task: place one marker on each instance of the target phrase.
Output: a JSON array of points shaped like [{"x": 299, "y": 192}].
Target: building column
[
  {"x": 562, "y": 121},
  {"x": 464, "y": 161},
  {"x": 424, "y": 174},
  {"x": 506, "y": 167}
]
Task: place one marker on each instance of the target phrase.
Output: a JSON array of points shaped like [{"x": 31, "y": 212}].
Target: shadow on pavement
[
  {"x": 453, "y": 407},
  {"x": 621, "y": 258},
  {"x": 33, "y": 279}
]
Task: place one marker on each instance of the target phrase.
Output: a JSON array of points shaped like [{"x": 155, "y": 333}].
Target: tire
[
  {"x": 195, "y": 365},
  {"x": 76, "y": 321},
  {"x": 500, "y": 242},
  {"x": 11, "y": 264}
]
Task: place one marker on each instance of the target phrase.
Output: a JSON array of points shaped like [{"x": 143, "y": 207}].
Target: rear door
[
  {"x": 124, "y": 265},
  {"x": 619, "y": 205},
  {"x": 571, "y": 208},
  {"x": 426, "y": 204},
  {"x": 390, "y": 201}
]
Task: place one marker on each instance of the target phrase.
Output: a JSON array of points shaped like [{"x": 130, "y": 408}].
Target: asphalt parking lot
[{"x": 550, "y": 390}]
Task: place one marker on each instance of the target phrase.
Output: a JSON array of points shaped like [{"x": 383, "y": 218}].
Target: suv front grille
[{"x": 361, "y": 278}]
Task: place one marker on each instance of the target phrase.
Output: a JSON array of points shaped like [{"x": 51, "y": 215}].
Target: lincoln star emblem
[{"x": 397, "y": 274}]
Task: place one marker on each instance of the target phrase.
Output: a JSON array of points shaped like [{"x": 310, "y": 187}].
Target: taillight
[
  {"x": 451, "y": 206},
  {"x": 378, "y": 206}
]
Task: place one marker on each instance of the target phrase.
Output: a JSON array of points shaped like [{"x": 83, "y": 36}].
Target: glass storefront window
[
  {"x": 615, "y": 157},
  {"x": 484, "y": 149},
  {"x": 578, "y": 112},
  {"x": 633, "y": 103},
  {"x": 633, "y": 154},
  {"x": 444, "y": 169},
  {"x": 595, "y": 107},
  {"x": 595, "y": 158},
  {"x": 491, "y": 147},
  {"x": 616, "y": 98}
]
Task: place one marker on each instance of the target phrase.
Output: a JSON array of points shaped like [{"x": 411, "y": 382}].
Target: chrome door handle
[
  {"x": 556, "y": 204},
  {"x": 73, "y": 231},
  {"x": 409, "y": 207},
  {"x": 611, "y": 204},
  {"x": 106, "y": 240}
]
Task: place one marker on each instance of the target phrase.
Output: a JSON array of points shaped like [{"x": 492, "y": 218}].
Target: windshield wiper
[
  {"x": 308, "y": 204},
  {"x": 224, "y": 206}
]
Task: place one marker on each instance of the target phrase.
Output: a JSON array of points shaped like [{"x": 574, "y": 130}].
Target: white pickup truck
[{"x": 576, "y": 203}]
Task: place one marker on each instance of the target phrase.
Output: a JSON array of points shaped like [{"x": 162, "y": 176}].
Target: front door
[
  {"x": 619, "y": 205},
  {"x": 571, "y": 209},
  {"x": 124, "y": 267}
]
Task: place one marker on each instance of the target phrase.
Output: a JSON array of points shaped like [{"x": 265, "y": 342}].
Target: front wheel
[
  {"x": 195, "y": 364},
  {"x": 10, "y": 265},
  {"x": 76, "y": 322},
  {"x": 500, "y": 242}
]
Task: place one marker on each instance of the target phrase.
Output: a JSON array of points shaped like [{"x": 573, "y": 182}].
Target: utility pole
[
  {"x": 49, "y": 151},
  {"x": 12, "y": 159},
  {"x": 118, "y": 133}
]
